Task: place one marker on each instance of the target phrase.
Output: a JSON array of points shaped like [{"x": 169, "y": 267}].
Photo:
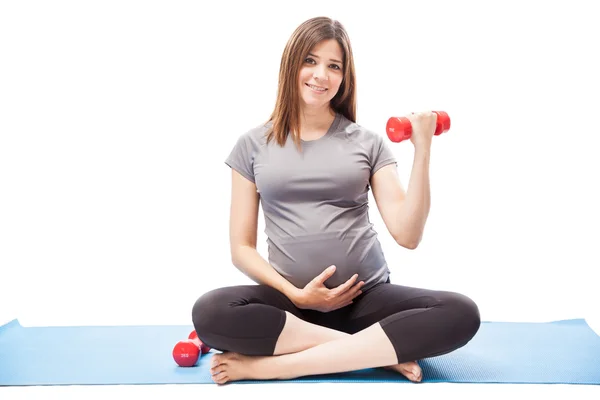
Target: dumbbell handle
[{"x": 400, "y": 128}]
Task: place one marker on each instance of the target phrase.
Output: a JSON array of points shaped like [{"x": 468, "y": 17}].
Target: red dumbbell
[
  {"x": 186, "y": 352},
  {"x": 400, "y": 128}
]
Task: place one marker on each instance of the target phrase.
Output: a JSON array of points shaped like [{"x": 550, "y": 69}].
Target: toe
[
  {"x": 221, "y": 379},
  {"x": 217, "y": 370},
  {"x": 417, "y": 373},
  {"x": 216, "y": 360},
  {"x": 411, "y": 373}
]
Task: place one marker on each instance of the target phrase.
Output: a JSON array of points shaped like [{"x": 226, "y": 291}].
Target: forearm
[
  {"x": 415, "y": 208},
  {"x": 252, "y": 264}
]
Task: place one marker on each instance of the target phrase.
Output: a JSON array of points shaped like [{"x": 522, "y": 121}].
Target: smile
[{"x": 317, "y": 88}]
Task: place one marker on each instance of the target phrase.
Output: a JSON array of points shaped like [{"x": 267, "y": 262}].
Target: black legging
[{"x": 420, "y": 323}]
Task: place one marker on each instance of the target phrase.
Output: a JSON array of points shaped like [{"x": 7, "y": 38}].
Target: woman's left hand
[{"x": 423, "y": 128}]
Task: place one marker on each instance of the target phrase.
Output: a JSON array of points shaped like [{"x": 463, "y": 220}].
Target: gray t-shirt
[{"x": 315, "y": 202}]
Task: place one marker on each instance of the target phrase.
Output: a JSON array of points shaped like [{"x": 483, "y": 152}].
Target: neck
[{"x": 314, "y": 121}]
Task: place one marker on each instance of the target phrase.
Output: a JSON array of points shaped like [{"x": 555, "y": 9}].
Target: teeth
[{"x": 317, "y": 88}]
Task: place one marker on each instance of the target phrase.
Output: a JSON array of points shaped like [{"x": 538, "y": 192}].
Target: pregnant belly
[{"x": 301, "y": 259}]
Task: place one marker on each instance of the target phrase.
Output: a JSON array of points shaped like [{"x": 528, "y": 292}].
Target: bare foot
[
  {"x": 226, "y": 367},
  {"x": 411, "y": 370}
]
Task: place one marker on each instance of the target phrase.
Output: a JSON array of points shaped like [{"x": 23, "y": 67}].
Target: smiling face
[
  {"x": 312, "y": 80},
  {"x": 321, "y": 74}
]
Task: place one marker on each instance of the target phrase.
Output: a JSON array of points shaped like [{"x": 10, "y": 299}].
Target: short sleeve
[
  {"x": 241, "y": 157},
  {"x": 381, "y": 154}
]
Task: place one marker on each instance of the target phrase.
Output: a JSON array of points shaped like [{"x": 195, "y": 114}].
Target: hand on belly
[{"x": 317, "y": 296}]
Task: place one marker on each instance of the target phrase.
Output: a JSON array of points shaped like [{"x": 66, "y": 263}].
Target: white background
[{"x": 116, "y": 118}]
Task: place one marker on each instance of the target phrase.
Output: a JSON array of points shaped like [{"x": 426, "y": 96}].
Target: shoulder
[
  {"x": 359, "y": 134},
  {"x": 371, "y": 144},
  {"x": 246, "y": 149},
  {"x": 256, "y": 135},
  {"x": 253, "y": 139}
]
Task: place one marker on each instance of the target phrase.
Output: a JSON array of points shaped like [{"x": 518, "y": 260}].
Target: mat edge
[{"x": 10, "y": 325}]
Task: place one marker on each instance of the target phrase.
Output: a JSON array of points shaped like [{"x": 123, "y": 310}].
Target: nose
[{"x": 320, "y": 74}]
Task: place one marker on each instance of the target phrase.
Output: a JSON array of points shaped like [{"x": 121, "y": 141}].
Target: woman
[{"x": 324, "y": 302}]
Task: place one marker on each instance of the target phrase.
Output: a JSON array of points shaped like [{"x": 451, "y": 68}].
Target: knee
[
  {"x": 465, "y": 315},
  {"x": 206, "y": 313}
]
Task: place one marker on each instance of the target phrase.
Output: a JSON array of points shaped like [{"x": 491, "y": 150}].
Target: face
[{"x": 321, "y": 74}]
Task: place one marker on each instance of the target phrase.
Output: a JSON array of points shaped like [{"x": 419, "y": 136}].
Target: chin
[
  {"x": 315, "y": 104},
  {"x": 312, "y": 102}
]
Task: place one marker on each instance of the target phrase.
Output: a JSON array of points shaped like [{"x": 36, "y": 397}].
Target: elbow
[
  {"x": 410, "y": 243},
  {"x": 238, "y": 253},
  {"x": 235, "y": 255}
]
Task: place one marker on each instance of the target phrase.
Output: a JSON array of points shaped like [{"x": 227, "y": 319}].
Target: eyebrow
[{"x": 331, "y": 59}]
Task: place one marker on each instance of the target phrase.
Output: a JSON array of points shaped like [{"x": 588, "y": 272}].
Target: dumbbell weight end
[{"x": 400, "y": 128}]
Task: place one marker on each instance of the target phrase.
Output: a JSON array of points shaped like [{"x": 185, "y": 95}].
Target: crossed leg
[{"x": 387, "y": 326}]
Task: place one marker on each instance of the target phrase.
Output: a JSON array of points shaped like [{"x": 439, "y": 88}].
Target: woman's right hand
[{"x": 316, "y": 296}]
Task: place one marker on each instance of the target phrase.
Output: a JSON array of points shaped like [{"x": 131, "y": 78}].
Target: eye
[
  {"x": 335, "y": 66},
  {"x": 309, "y": 60}
]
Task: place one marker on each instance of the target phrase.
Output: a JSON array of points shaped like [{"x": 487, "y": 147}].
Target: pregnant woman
[{"x": 323, "y": 301}]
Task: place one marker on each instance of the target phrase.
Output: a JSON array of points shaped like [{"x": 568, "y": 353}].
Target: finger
[
  {"x": 345, "y": 286},
  {"x": 326, "y": 274},
  {"x": 354, "y": 292},
  {"x": 348, "y": 297}
]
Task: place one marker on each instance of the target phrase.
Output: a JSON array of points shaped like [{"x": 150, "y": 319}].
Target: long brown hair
[{"x": 286, "y": 114}]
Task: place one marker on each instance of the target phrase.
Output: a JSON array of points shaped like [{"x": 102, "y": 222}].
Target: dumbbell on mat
[
  {"x": 186, "y": 352},
  {"x": 400, "y": 128}
]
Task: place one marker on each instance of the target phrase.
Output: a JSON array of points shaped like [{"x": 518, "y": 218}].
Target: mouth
[{"x": 317, "y": 89}]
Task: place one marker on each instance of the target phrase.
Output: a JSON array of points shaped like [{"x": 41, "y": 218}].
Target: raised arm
[
  {"x": 405, "y": 213},
  {"x": 243, "y": 227}
]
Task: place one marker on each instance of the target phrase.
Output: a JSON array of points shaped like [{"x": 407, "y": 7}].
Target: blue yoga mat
[{"x": 565, "y": 352}]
